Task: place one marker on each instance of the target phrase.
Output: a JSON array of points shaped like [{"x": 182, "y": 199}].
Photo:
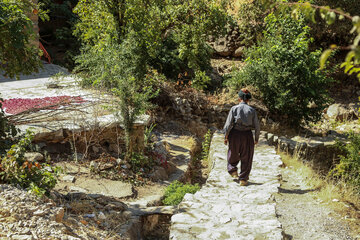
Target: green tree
[
  {"x": 351, "y": 64},
  {"x": 17, "y": 54},
  {"x": 179, "y": 27},
  {"x": 119, "y": 67},
  {"x": 285, "y": 71}
]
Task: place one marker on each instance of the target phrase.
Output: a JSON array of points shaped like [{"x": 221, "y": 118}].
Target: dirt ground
[{"x": 304, "y": 216}]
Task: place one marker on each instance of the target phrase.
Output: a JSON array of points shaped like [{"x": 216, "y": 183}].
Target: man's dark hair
[{"x": 244, "y": 94}]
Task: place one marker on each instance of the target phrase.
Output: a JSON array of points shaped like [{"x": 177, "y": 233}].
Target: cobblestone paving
[{"x": 223, "y": 209}]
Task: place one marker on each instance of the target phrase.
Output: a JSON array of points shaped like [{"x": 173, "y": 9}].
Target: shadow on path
[{"x": 295, "y": 191}]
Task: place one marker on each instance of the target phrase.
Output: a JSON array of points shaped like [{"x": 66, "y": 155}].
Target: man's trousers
[{"x": 241, "y": 149}]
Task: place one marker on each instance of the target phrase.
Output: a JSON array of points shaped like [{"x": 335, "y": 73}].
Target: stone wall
[{"x": 320, "y": 151}]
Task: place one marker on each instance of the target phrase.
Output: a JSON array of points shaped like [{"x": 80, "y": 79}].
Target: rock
[
  {"x": 59, "y": 215},
  {"x": 68, "y": 178},
  {"x": 90, "y": 215},
  {"x": 33, "y": 157},
  {"x": 54, "y": 84},
  {"x": 39, "y": 213},
  {"x": 114, "y": 148},
  {"x": 170, "y": 168},
  {"x": 355, "y": 107},
  {"x": 22, "y": 237},
  {"x": 340, "y": 112},
  {"x": 159, "y": 174},
  {"x": 101, "y": 216},
  {"x": 78, "y": 156},
  {"x": 270, "y": 138},
  {"x": 94, "y": 165},
  {"x": 95, "y": 149},
  {"x": 239, "y": 52},
  {"x": 77, "y": 189}
]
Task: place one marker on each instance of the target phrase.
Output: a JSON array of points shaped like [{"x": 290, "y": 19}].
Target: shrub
[
  {"x": 139, "y": 160},
  {"x": 172, "y": 36},
  {"x": 201, "y": 80},
  {"x": 17, "y": 53},
  {"x": 285, "y": 71},
  {"x": 33, "y": 176},
  {"x": 176, "y": 191},
  {"x": 349, "y": 166},
  {"x": 250, "y": 16}
]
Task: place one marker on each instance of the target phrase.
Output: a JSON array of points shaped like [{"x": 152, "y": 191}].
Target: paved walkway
[{"x": 223, "y": 209}]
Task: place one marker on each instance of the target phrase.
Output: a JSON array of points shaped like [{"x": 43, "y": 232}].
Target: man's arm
[
  {"x": 228, "y": 125},
  {"x": 257, "y": 128}
]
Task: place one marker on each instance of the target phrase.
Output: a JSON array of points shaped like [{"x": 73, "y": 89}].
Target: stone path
[{"x": 223, "y": 209}]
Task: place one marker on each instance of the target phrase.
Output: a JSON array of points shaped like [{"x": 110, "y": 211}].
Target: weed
[{"x": 176, "y": 191}]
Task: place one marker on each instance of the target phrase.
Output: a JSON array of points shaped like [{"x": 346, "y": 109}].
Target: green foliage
[
  {"x": 119, "y": 67},
  {"x": 285, "y": 71},
  {"x": 351, "y": 63},
  {"x": 176, "y": 191},
  {"x": 250, "y": 19},
  {"x": 206, "y": 146},
  {"x": 170, "y": 34},
  {"x": 349, "y": 166},
  {"x": 140, "y": 161},
  {"x": 133, "y": 100},
  {"x": 32, "y": 176},
  {"x": 17, "y": 53},
  {"x": 148, "y": 134},
  {"x": 201, "y": 80}
]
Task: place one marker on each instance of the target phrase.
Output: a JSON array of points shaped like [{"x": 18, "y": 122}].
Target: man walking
[{"x": 241, "y": 120}]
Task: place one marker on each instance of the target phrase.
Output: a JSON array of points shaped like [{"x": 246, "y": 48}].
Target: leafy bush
[
  {"x": 201, "y": 80},
  {"x": 250, "y": 16},
  {"x": 32, "y": 176},
  {"x": 170, "y": 35},
  {"x": 17, "y": 54},
  {"x": 139, "y": 160},
  {"x": 119, "y": 67},
  {"x": 176, "y": 191},
  {"x": 285, "y": 71},
  {"x": 348, "y": 168}
]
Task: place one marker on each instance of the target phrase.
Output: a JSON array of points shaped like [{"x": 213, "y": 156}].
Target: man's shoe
[
  {"x": 243, "y": 183},
  {"x": 234, "y": 174}
]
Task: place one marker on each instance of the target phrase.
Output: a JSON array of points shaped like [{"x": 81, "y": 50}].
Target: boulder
[
  {"x": 340, "y": 112},
  {"x": 159, "y": 174},
  {"x": 224, "y": 47},
  {"x": 239, "y": 52},
  {"x": 33, "y": 157}
]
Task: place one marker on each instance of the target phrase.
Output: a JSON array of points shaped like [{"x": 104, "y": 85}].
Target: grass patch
[{"x": 176, "y": 191}]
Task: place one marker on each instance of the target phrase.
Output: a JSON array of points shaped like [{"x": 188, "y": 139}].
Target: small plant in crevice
[
  {"x": 206, "y": 147},
  {"x": 38, "y": 178},
  {"x": 176, "y": 191}
]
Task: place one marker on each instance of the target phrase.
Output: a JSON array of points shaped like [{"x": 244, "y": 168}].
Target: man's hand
[
  {"x": 225, "y": 141},
  {"x": 256, "y": 142}
]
